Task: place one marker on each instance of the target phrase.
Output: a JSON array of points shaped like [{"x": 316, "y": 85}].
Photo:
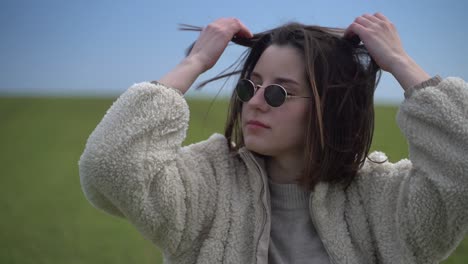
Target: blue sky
[{"x": 101, "y": 47}]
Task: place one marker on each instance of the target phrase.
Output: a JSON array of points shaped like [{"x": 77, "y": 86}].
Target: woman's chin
[{"x": 258, "y": 147}]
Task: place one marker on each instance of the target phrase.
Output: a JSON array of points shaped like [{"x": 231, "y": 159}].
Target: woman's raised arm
[{"x": 209, "y": 46}]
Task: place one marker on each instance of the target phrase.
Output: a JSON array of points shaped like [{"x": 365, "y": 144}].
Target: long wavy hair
[{"x": 342, "y": 77}]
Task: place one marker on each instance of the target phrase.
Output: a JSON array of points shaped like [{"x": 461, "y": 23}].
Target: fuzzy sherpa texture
[{"x": 203, "y": 204}]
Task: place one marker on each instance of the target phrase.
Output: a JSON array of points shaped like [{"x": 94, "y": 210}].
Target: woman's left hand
[{"x": 381, "y": 39}]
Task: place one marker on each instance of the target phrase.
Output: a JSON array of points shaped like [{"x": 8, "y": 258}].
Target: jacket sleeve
[
  {"x": 433, "y": 201},
  {"x": 423, "y": 201},
  {"x": 133, "y": 165}
]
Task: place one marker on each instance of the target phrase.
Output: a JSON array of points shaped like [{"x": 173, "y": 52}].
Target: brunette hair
[{"x": 342, "y": 76}]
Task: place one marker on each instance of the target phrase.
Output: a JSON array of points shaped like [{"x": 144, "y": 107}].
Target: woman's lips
[{"x": 257, "y": 124}]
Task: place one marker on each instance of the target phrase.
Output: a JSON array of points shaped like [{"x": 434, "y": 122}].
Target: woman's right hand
[
  {"x": 214, "y": 39},
  {"x": 209, "y": 46}
]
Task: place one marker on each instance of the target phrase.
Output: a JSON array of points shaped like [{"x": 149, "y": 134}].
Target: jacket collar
[
  {"x": 256, "y": 164},
  {"x": 326, "y": 205},
  {"x": 257, "y": 158}
]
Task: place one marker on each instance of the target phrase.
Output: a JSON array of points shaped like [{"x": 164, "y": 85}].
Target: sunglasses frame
[{"x": 256, "y": 87}]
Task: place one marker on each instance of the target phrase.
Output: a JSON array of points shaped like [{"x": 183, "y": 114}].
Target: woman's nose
[{"x": 258, "y": 99}]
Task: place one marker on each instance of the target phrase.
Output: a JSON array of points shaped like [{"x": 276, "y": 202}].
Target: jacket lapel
[{"x": 327, "y": 208}]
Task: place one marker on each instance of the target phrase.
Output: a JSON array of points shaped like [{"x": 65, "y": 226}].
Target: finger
[
  {"x": 354, "y": 29},
  {"x": 385, "y": 21},
  {"x": 349, "y": 33},
  {"x": 381, "y": 16},
  {"x": 372, "y": 18},
  {"x": 235, "y": 27},
  {"x": 243, "y": 32},
  {"x": 364, "y": 21}
]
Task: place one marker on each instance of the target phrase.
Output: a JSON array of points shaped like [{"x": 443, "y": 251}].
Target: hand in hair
[
  {"x": 381, "y": 39},
  {"x": 214, "y": 39},
  {"x": 206, "y": 51}
]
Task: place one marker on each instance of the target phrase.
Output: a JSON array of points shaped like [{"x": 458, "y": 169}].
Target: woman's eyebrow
[
  {"x": 254, "y": 74},
  {"x": 286, "y": 80},
  {"x": 277, "y": 80}
]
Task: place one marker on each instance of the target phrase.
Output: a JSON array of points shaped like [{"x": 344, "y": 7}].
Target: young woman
[{"x": 290, "y": 181}]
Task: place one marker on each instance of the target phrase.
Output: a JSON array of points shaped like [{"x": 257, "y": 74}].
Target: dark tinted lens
[
  {"x": 275, "y": 95},
  {"x": 245, "y": 90}
]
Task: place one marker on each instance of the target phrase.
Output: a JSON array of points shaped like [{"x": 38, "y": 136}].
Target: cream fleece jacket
[{"x": 203, "y": 204}]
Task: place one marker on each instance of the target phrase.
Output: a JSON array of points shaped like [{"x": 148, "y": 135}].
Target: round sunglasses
[{"x": 275, "y": 95}]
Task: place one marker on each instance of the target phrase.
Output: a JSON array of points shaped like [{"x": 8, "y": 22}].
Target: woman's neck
[{"x": 285, "y": 169}]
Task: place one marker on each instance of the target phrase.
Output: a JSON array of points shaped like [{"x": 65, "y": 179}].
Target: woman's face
[{"x": 275, "y": 131}]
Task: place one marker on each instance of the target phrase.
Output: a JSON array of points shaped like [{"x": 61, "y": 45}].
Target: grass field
[{"x": 44, "y": 215}]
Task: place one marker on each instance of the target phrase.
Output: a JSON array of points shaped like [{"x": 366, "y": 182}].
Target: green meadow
[{"x": 44, "y": 216}]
